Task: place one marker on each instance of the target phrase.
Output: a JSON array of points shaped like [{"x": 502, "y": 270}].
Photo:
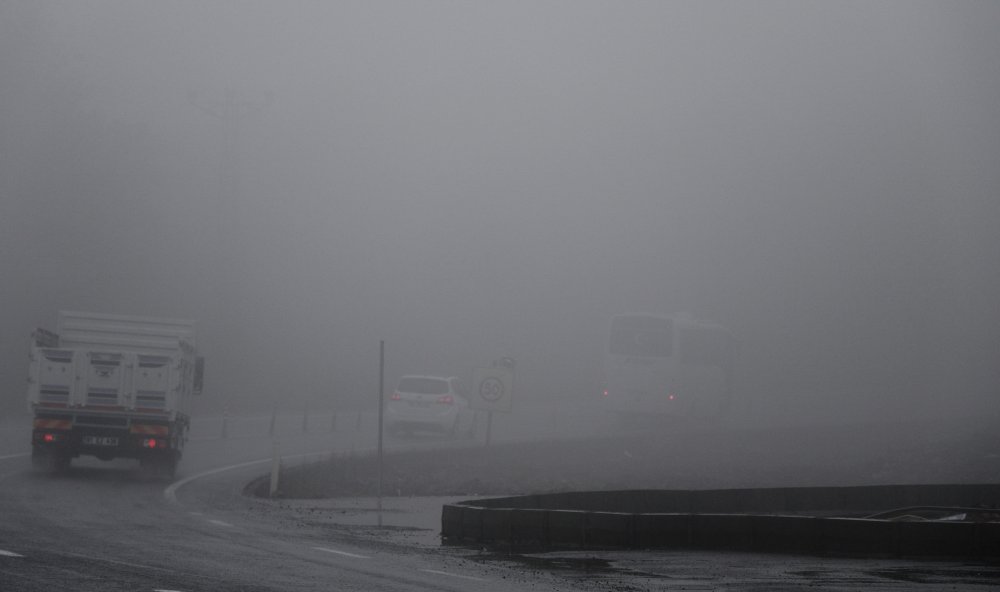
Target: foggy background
[{"x": 476, "y": 180}]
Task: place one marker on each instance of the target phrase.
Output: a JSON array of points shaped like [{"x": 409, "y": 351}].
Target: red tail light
[
  {"x": 605, "y": 392},
  {"x": 446, "y": 400},
  {"x": 153, "y": 443},
  {"x": 670, "y": 397},
  {"x": 395, "y": 397},
  {"x": 49, "y": 438}
]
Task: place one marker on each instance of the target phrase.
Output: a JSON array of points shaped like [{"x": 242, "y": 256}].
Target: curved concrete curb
[{"x": 811, "y": 520}]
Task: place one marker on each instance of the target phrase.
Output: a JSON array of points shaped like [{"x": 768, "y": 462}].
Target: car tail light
[
  {"x": 446, "y": 400},
  {"x": 49, "y": 438},
  {"x": 395, "y": 397},
  {"x": 153, "y": 443}
]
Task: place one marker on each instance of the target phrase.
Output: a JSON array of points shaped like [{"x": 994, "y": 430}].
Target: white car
[{"x": 430, "y": 403}]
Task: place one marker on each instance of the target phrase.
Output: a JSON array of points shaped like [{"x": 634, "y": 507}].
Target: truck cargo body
[{"x": 112, "y": 386}]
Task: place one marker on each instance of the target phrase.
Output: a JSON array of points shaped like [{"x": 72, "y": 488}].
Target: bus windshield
[{"x": 641, "y": 336}]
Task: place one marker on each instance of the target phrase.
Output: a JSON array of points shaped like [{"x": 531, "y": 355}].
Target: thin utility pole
[
  {"x": 231, "y": 112},
  {"x": 234, "y": 269},
  {"x": 381, "y": 407}
]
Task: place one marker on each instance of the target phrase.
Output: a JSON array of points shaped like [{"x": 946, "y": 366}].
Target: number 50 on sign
[{"x": 491, "y": 389}]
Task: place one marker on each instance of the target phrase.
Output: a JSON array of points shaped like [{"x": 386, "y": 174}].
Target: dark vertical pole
[{"x": 381, "y": 406}]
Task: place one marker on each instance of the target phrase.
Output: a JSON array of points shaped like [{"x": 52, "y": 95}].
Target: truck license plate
[{"x": 100, "y": 441}]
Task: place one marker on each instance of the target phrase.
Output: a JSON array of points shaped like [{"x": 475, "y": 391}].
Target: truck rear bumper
[
  {"x": 106, "y": 437},
  {"x": 105, "y": 447}
]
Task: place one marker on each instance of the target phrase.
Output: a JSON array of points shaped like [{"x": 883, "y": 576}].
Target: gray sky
[{"x": 470, "y": 180}]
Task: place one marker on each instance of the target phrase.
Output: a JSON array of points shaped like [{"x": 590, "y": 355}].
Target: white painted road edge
[
  {"x": 170, "y": 493},
  {"x": 9, "y": 554},
  {"x": 451, "y": 575},
  {"x": 344, "y": 553}
]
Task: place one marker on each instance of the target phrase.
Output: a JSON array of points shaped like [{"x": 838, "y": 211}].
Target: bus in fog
[{"x": 670, "y": 365}]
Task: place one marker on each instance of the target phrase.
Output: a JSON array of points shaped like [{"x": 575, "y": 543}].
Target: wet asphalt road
[{"x": 101, "y": 527}]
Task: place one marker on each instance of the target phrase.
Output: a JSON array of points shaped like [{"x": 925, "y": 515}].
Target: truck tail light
[{"x": 153, "y": 443}]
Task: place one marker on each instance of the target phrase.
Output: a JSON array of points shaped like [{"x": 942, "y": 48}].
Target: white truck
[{"x": 112, "y": 386}]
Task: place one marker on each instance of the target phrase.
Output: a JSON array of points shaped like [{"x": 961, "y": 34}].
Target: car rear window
[{"x": 423, "y": 386}]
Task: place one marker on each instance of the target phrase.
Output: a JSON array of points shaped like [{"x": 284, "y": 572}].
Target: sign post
[{"x": 381, "y": 411}]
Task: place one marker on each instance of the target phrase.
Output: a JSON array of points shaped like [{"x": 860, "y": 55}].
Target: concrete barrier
[
  {"x": 927, "y": 539},
  {"x": 790, "y": 534},
  {"x": 823, "y": 520},
  {"x": 663, "y": 530},
  {"x": 472, "y": 524},
  {"x": 529, "y": 526},
  {"x": 609, "y": 529},
  {"x": 567, "y": 527},
  {"x": 988, "y": 539},
  {"x": 722, "y": 531},
  {"x": 495, "y": 525},
  {"x": 451, "y": 519},
  {"x": 871, "y": 538}
]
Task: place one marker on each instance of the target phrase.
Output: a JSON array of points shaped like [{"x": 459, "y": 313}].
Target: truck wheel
[
  {"x": 41, "y": 460},
  {"x": 49, "y": 460},
  {"x": 60, "y": 462},
  {"x": 168, "y": 467},
  {"x": 157, "y": 468},
  {"x": 147, "y": 468}
]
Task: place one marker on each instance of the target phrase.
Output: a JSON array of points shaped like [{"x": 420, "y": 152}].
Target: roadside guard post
[{"x": 492, "y": 390}]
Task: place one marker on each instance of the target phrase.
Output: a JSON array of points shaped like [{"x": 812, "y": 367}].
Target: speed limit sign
[{"x": 492, "y": 389}]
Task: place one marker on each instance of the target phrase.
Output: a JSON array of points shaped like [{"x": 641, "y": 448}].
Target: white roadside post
[{"x": 275, "y": 469}]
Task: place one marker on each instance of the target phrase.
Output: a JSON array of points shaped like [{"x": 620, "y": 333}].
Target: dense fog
[{"x": 474, "y": 180}]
